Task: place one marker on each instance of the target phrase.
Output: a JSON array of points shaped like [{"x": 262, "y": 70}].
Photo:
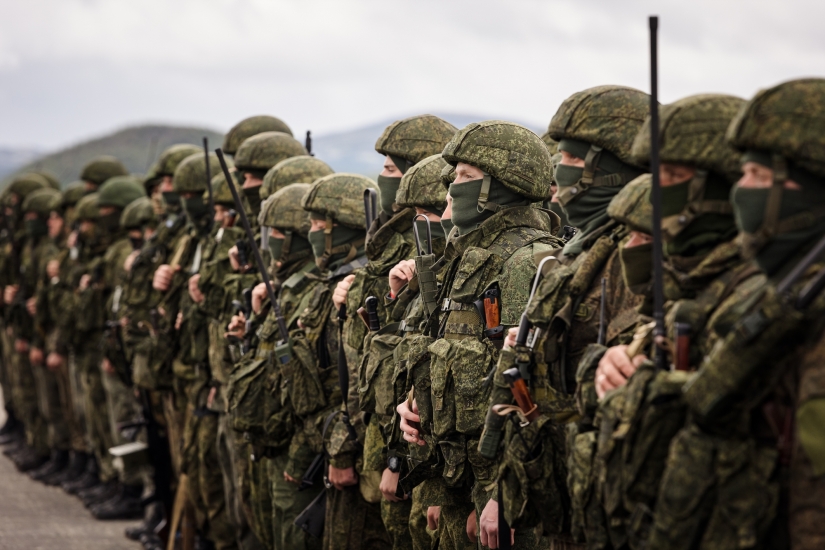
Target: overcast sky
[{"x": 74, "y": 69}]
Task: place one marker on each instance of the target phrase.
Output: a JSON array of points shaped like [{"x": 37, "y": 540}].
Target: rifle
[
  {"x": 308, "y": 144},
  {"x": 209, "y": 183},
  {"x": 122, "y": 366},
  {"x": 660, "y": 358},
  {"x": 681, "y": 360},
  {"x": 370, "y": 206},
  {"x": 424, "y": 262},
  {"x": 283, "y": 350}
]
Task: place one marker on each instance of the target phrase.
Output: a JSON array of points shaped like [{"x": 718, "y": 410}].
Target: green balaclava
[
  {"x": 297, "y": 244},
  {"x": 388, "y": 187},
  {"x": 36, "y": 228},
  {"x": 447, "y": 225},
  {"x": 587, "y": 209},
  {"x": 196, "y": 209},
  {"x": 253, "y": 195},
  {"x": 466, "y": 215},
  {"x": 706, "y": 230},
  {"x": 801, "y": 215},
  {"x": 172, "y": 202},
  {"x": 341, "y": 237},
  {"x": 637, "y": 267}
]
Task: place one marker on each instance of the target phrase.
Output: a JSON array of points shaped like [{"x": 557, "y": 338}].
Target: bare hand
[
  {"x": 179, "y": 320},
  {"x": 340, "y": 295},
  {"x": 233, "y": 259},
  {"x": 615, "y": 367},
  {"x": 107, "y": 366},
  {"x": 489, "y": 526},
  {"x": 510, "y": 339},
  {"x": 9, "y": 293},
  {"x": 258, "y": 296},
  {"x": 411, "y": 434},
  {"x": 389, "y": 484},
  {"x": 237, "y": 326},
  {"x": 21, "y": 346},
  {"x": 31, "y": 306},
  {"x": 471, "y": 527},
  {"x": 210, "y": 399},
  {"x": 53, "y": 269},
  {"x": 163, "y": 278},
  {"x": 130, "y": 259},
  {"x": 71, "y": 240},
  {"x": 342, "y": 477},
  {"x": 55, "y": 361},
  {"x": 401, "y": 275},
  {"x": 433, "y": 515},
  {"x": 195, "y": 292},
  {"x": 36, "y": 356},
  {"x": 289, "y": 479},
  {"x": 85, "y": 281}
]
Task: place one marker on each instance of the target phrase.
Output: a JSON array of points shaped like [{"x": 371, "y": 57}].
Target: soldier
[
  {"x": 26, "y": 250},
  {"x": 490, "y": 262},
  {"x": 114, "y": 197},
  {"x": 249, "y": 127},
  {"x": 158, "y": 180},
  {"x": 746, "y": 468},
  {"x": 300, "y": 169},
  {"x": 98, "y": 170},
  {"x": 422, "y": 189}
]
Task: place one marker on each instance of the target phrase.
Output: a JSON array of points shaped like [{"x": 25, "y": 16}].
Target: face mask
[
  {"x": 171, "y": 201},
  {"x": 447, "y": 225},
  {"x": 589, "y": 209},
  {"x": 196, "y": 209},
  {"x": 110, "y": 222},
  {"x": 388, "y": 187},
  {"x": 340, "y": 235},
  {"x": 36, "y": 228},
  {"x": 276, "y": 245},
  {"x": 637, "y": 267},
  {"x": 465, "y": 202},
  {"x": 253, "y": 195},
  {"x": 137, "y": 242}
]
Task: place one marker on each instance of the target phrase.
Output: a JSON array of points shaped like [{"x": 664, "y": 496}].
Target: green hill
[{"x": 137, "y": 147}]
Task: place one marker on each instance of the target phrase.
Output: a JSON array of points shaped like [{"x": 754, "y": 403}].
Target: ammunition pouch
[
  {"x": 151, "y": 364},
  {"x": 246, "y": 395},
  {"x": 377, "y": 371},
  {"x": 301, "y": 380}
]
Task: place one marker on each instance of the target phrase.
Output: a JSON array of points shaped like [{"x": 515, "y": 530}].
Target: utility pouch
[
  {"x": 300, "y": 377},
  {"x": 246, "y": 395},
  {"x": 376, "y": 393}
]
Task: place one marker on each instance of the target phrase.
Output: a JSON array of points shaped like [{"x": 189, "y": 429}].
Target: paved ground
[{"x": 34, "y": 517}]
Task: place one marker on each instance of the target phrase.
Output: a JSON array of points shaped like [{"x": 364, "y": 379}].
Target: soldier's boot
[
  {"x": 125, "y": 505},
  {"x": 12, "y": 430},
  {"x": 202, "y": 543},
  {"x": 11, "y": 423},
  {"x": 29, "y": 459},
  {"x": 16, "y": 446},
  {"x": 153, "y": 515},
  {"x": 57, "y": 463},
  {"x": 88, "y": 479},
  {"x": 151, "y": 541},
  {"x": 99, "y": 493},
  {"x": 73, "y": 470}
]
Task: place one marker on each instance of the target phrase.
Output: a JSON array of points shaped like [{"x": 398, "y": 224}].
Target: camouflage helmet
[
  {"x": 340, "y": 197},
  {"x": 220, "y": 192},
  {"x": 423, "y": 187},
  {"x": 137, "y": 213},
  {"x": 631, "y": 206},
  {"x": 263, "y": 151},
  {"x": 605, "y": 116},
  {"x": 87, "y": 208},
  {"x": 119, "y": 191},
  {"x": 447, "y": 176},
  {"x": 40, "y": 201},
  {"x": 50, "y": 177},
  {"x": 100, "y": 169},
  {"x": 413, "y": 139},
  {"x": 302, "y": 169},
  {"x": 172, "y": 156},
  {"x": 552, "y": 144},
  {"x": 249, "y": 127},
  {"x": 26, "y": 183},
  {"x": 787, "y": 120},
  {"x": 283, "y": 210},
  {"x": 512, "y": 154},
  {"x": 190, "y": 175},
  {"x": 692, "y": 132},
  {"x": 72, "y": 194}
]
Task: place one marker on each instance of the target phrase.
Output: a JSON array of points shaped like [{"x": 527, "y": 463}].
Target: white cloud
[{"x": 71, "y": 68}]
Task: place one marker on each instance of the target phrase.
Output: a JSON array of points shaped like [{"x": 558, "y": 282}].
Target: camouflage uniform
[
  {"x": 746, "y": 469},
  {"x": 597, "y": 125}
]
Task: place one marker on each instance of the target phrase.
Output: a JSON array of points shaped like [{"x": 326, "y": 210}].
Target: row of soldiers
[{"x": 462, "y": 354}]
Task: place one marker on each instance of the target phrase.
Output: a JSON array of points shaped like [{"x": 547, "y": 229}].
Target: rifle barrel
[
  {"x": 253, "y": 244},
  {"x": 209, "y": 180}
]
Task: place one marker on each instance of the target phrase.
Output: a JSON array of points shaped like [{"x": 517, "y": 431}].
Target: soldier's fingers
[{"x": 613, "y": 376}]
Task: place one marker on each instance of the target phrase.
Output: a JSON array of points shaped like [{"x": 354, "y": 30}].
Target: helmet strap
[
  {"x": 589, "y": 178},
  {"x": 695, "y": 207}
]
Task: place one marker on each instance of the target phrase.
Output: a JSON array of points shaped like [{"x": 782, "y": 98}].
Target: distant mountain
[
  {"x": 12, "y": 159},
  {"x": 137, "y": 147},
  {"x": 354, "y": 150}
]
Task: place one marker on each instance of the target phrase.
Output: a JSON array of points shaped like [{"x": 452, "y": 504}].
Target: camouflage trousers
[
  {"x": 396, "y": 518},
  {"x": 27, "y": 403},
  {"x": 49, "y": 397},
  {"x": 6, "y": 352},
  {"x": 260, "y": 501},
  {"x": 235, "y": 485},
  {"x": 121, "y": 406},
  {"x": 353, "y": 523},
  {"x": 199, "y": 461},
  {"x": 77, "y": 404},
  {"x": 287, "y": 503},
  {"x": 98, "y": 428},
  {"x": 67, "y": 407}
]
